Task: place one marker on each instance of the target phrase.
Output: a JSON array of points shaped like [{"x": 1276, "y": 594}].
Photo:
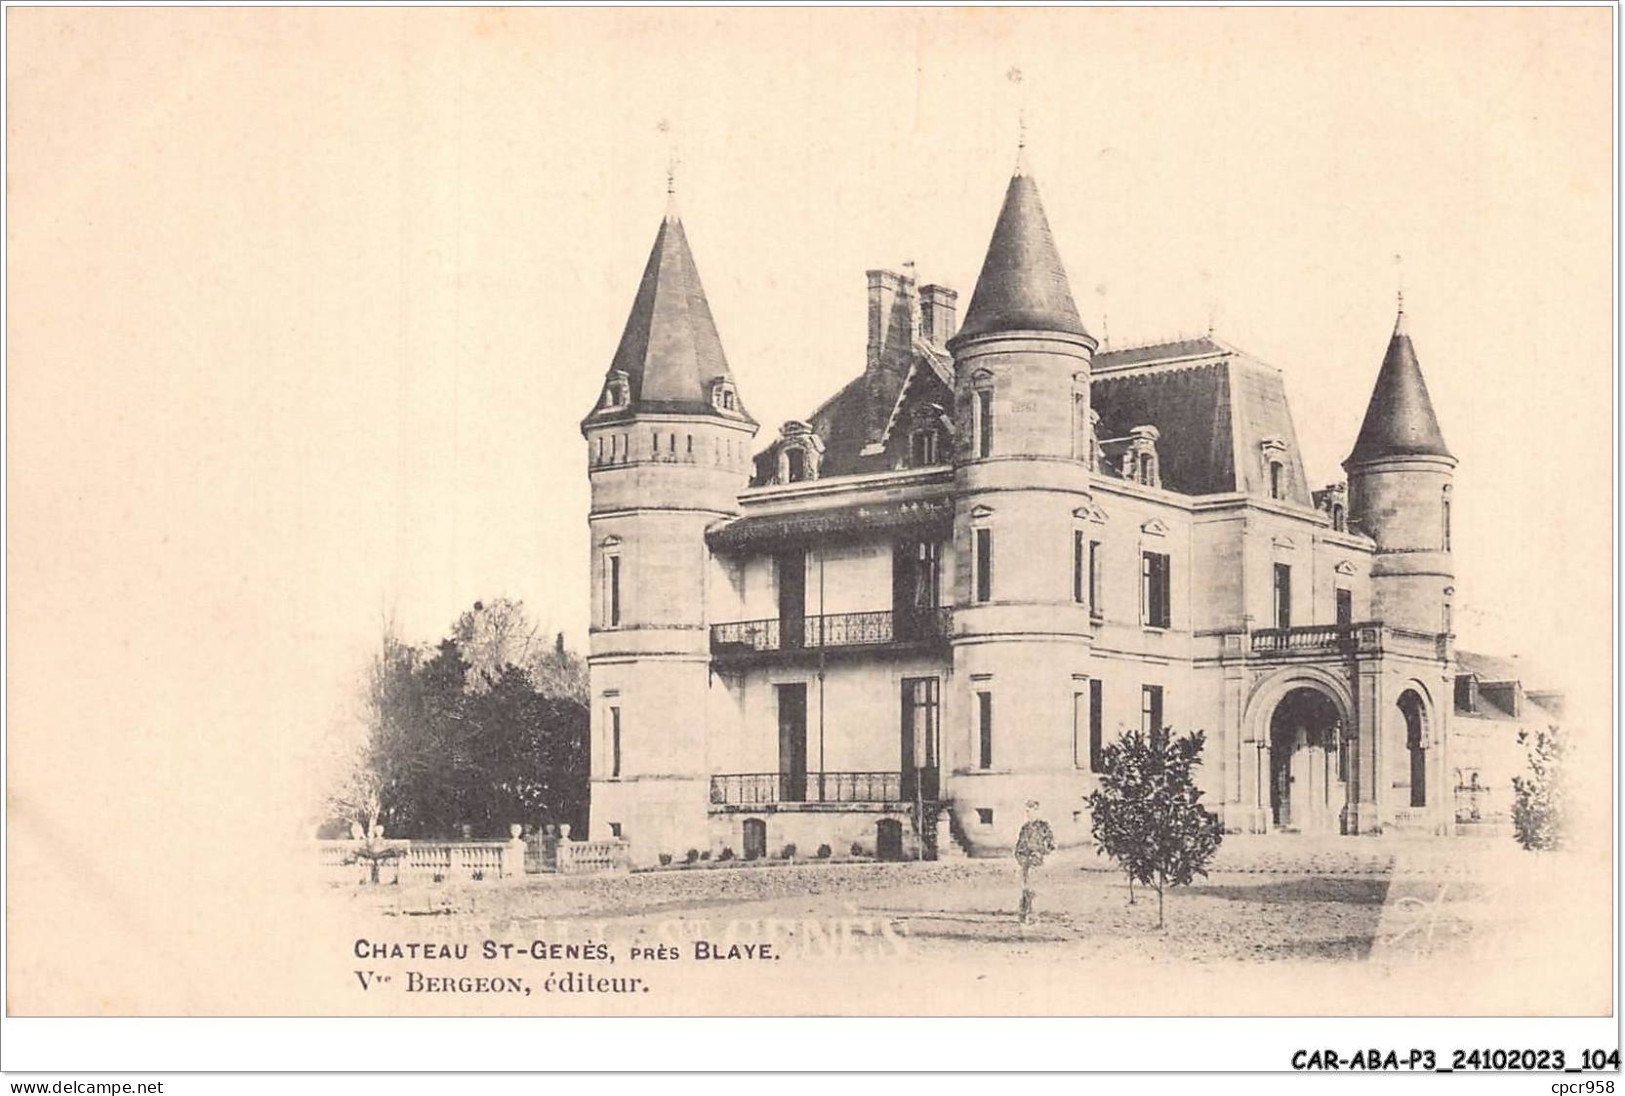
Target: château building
[{"x": 912, "y": 620}]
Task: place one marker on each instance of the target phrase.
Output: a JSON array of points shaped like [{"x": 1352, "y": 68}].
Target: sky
[{"x": 306, "y": 305}]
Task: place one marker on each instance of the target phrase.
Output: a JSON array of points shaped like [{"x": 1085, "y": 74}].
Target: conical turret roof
[
  {"x": 1399, "y": 420},
  {"x": 669, "y": 349},
  {"x": 1023, "y": 284}
]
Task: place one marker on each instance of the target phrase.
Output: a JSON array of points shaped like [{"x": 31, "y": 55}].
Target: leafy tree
[
  {"x": 378, "y": 763},
  {"x": 1539, "y": 817},
  {"x": 1147, "y": 812},
  {"x": 1033, "y": 844},
  {"x": 487, "y": 729}
]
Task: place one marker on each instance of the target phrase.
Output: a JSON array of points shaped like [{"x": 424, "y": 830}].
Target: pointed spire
[
  {"x": 1399, "y": 421},
  {"x": 1023, "y": 285},
  {"x": 670, "y": 351}
]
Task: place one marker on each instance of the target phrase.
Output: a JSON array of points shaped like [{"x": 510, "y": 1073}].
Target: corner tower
[
  {"x": 1400, "y": 477},
  {"x": 668, "y": 451},
  {"x": 1022, "y": 638}
]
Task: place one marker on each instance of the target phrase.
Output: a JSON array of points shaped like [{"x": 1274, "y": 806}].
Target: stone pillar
[{"x": 1365, "y": 814}]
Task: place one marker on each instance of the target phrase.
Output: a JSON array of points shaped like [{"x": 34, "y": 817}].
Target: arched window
[{"x": 796, "y": 464}]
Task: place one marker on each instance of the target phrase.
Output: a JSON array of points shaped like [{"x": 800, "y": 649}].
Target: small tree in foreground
[
  {"x": 1033, "y": 844},
  {"x": 1538, "y": 815},
  {"x": 1147, "y": 813}
]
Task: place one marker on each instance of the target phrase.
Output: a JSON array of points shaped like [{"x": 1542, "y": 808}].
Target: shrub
[
  {"x": 665, "y": 859},
  {"x": 705, "y": 855},
  {"x": 727, "y": 853},
  {"x": 1538, "y": 801},
  {"x": 1147, "y": 812},
  {"x": 824, "y": 852},
  {"x": 857, "y": 848},
  {"x": 478, "y": 875},
  {"x": 789, "y": 852},
  {"x": 691, "y": 856}
]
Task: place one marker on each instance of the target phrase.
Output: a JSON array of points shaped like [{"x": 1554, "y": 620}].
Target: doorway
[
  {"x": 921, "y": 739},
  {"x": 888, "y": 839},
  {"x": 792, "y": 743},
  {"x": 1308, "y": 763},
  {"x": 755, "y": 839},
  {"x": 792, "y": 571}
]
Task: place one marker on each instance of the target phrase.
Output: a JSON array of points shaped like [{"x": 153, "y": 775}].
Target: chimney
[
  {"x": 883, "y": 287},
  {"x": 938, "y": 314}
]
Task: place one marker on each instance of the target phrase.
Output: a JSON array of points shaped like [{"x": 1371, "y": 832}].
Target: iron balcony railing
[
  {"x": 762, "y": 789},
  {"x": 872, "y": 629}
]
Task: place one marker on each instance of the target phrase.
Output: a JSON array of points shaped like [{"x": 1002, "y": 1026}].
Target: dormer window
[
  {"x": 923, "y": 447},
  {"x": 1332, "y": 500},
  {"x": 1140, "y": 462},
  {"x": 1275, "y": 472},
  {"x": 928, "y": 424},
  {"x": 799, "y": 451},
  {"x": 617, "y": 391},
  {"x": 724, "y": 397}
]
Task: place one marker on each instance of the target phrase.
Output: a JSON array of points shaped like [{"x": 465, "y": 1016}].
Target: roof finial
[
  {"x": 1017, "y": 77},
  {"x": 1399, "y": 294},
  {"x": 664, "y": 126}
]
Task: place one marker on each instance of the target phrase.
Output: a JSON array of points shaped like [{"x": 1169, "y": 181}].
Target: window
[
  {"x": 1154, "y": 600},
  {"x": 1080, "y": 572},
  {"x": 1096, "y": 725},
  {"x": 984, "y": 815},
  {"x": 1340, "y": 518},
  {"x": 1275, "y": 479},
  {"x": 984, "y": 726},
  {"x": 797, "y": 464},
  {"x": 1345, "y": 607},
  {"x": 1446, "y": 623},
  {"x": 984, "y": 565},
  {"x": 1151, "y": 708},
  {"x": 922, "y": 450},
  {"x": 727, "y": 399},
  {"x": 1095, "y": 609},
  {"x": 615, "y": 830},
  {"x": 984, "y": 422},
  {"x": 1283, "y": 596},
  {"x": 1080, "y": 728},
  {"x": 1444, "y": 519},
  {"x": 614, "y": 565},
  {"x": 615, "y": 743}
]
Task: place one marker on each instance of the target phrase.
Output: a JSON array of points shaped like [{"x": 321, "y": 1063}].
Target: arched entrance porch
[{"x": 1308, "y": 762}]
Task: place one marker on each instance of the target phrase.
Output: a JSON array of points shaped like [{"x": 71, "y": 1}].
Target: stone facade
[{"x": 944, "y": 591}]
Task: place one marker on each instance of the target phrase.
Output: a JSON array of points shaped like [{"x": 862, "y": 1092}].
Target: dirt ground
[{"x": 1265, "y": 899}]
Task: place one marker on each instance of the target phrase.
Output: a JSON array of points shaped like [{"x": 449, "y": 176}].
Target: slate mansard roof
[{"x": 1213, "y": 405}]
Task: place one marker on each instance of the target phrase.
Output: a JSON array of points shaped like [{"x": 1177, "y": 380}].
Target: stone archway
[
  {"x": 1308, "y": 763},
  {"x": 1413, "y": 717},
  {"x": 1300, "y": 723}
]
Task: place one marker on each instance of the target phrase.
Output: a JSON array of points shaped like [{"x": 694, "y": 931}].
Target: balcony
[
  {"x": 1370, "y": 637},
  {"x": 784, "y": 638},
  {"x": 751, "y": 791}
]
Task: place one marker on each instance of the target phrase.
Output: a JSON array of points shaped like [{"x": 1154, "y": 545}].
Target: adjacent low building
[{"x": 913, "y": 619}]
